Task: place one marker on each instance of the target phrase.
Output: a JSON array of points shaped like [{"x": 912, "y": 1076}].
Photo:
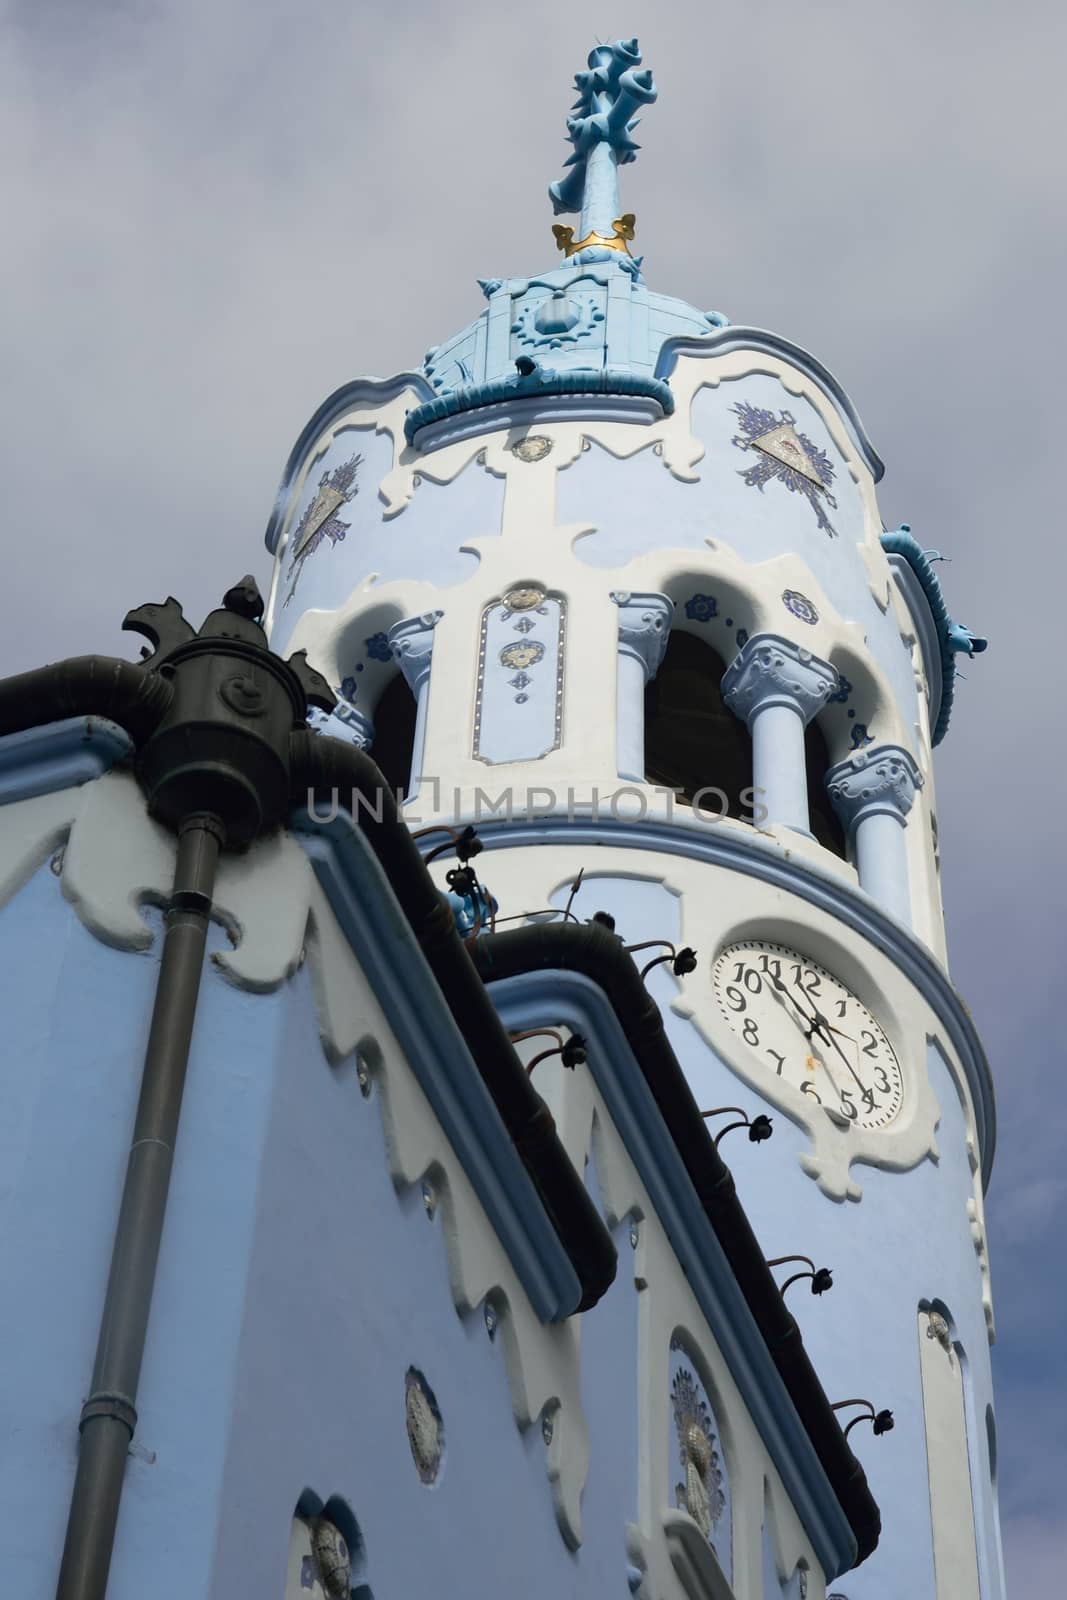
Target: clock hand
[
  {"x": 782, "y": 995},
  {"x": 821, "y": 1026},
  {"x": 821, "y": 1023}
]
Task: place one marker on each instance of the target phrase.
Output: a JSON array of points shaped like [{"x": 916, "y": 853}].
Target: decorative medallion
[
  {"x": 378, "y": 648},
  {"x": 522, "y": 654},
  {"x": 534, "y": 447},
  {"x": 938, "y": 1328},
  {"x": 526, "y": 598},
  {"x": 701, "y": 1490},
  {"x": 802, "y": 608},
  {"x": 701, "y": 607},
  {"x": 859, "y": 736},
  {"x": 332, "y": 1562},
  {"x": 843, "y": 690},
  {"x": 787, "y": 455},
  {"x": 426, "y": 1431},
  {"x": 321, "y": 520},
  {"x": 559, "y": 321}
]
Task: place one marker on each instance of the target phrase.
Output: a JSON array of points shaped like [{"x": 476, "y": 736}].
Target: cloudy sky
[{"x": 217, "y": 211}]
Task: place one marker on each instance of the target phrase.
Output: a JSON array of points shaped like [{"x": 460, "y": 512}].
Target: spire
[{"x": 599, "y": 128}]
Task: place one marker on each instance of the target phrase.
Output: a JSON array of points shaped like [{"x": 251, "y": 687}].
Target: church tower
[
  {"x": 606, "y": 580},
  {"x": 484, "y": 1109}
]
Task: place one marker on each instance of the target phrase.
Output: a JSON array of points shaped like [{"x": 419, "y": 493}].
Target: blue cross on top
[{"x": 600, "y": 129}]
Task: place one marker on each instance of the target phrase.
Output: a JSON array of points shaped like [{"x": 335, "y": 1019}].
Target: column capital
[
  {"x": 411, "y": 642},
  {"x": 644, "y": 625},
  {"x": 346, "y": 723},
  {"x": 880, "y": 780},
  {"x": 772, "y": 671}
]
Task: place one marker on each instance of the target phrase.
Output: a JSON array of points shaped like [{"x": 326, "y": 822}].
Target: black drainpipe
[
  {"x": 597, "y": 954},
  {"x": 109, "y": 1416},
  {"x": 211, "y": 714}
]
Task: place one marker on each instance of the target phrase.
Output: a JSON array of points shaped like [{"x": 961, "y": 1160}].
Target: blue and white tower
[
  {"x": 364, "y": 1226},
  {"x": 606, "y": 579}
]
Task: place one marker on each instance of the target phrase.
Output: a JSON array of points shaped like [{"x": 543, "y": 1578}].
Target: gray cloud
[{"x": 218, "y": 213}]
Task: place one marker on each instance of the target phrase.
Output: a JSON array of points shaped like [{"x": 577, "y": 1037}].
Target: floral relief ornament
[
  {"x": 321, "y": 520},
  {"x": 701, "y": 1492},
  {"x": 788, "y": 456}
]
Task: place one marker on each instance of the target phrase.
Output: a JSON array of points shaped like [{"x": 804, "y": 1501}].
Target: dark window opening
[
  {"x": 821, "y": 814},
  {"x": 394, "y": 733},
  {"x": 693, "y": 741}
]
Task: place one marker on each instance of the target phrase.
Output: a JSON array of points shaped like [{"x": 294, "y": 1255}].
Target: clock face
[{"x": 805, "y": 1027}]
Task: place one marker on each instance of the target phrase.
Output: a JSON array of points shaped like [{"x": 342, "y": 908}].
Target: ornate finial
[{"x": 608, "y": 95}]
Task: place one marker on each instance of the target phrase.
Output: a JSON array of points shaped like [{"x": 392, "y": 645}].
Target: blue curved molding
[
  {"x": 60, "y": 755},
  {"x": 735, "y": 336},
  {"x": 536, "y": 382},
  {"x": 571, "y": 998},
  {"x": 720, "y": 847},
  {"x": 953, "y": 638},
  {"x": 362, "y": 900},
  {"x": 350, "y": 396}
]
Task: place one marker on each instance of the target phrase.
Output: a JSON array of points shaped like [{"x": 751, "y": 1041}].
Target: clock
[{"x": 804, "y": 1027}]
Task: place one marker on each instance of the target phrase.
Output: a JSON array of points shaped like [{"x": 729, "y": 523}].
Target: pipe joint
[{"x": 117, "y": 1407}]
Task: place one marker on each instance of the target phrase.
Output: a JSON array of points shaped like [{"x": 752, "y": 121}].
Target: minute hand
[{"x": 822, "y": 1027}]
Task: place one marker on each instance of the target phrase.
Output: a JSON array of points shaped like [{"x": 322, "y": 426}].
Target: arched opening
[
  {"x": 822, "y": 818},
  {"x": 693, "y": 741},
  {"x": 394, "y": 733}
]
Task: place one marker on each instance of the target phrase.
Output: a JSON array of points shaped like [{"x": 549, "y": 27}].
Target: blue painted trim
[
  {"x": 532, "y": 999},
  {"x": 59, "y": 755},
  {"x": 638, "y": 410},
  {"x": 350, "y": 396},
  {"x": 953, "y": 638},
  {"x": 720, "y": 847},
  {"x": 739, "y": 337},
  {"x": 363, "y": 903},
  {"x": 542, "y": 381}
]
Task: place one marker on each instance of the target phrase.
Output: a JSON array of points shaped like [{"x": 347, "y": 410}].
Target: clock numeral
[
  {"x": 750, "y": 1032},
  {"x": 807, "y": 1087},
  {"x": 848, "y": 1104},
  {"x": 841, "y": 1004},
  {"x": 735, "y": 999},
  {"x": 749, "y": 977},
  {"x": 882, "y": 1080},
  {"x": 809, "y": 981},
  {"x": 868, "y": 1100},
  {"x": 780, "y": 1059},
  {"x": 773, "y": 966},
  {"x": 872, "y": 1048}
]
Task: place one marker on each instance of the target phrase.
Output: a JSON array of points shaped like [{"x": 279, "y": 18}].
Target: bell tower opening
[
  {"x": 822, "y": 818},
  {"x": 693, "y": 741}
]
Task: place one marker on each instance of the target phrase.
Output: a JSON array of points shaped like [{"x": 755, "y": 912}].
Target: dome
[{"x": 590, "y": 325}]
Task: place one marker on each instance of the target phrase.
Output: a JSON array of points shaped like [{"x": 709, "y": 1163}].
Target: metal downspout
[{"x": 109, "y": 1416}]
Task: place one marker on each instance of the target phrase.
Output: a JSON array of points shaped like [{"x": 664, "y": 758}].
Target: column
[
  {"x": 644, "y": 624},
  {"x": 411, "y": 642},
  {"x": 344, "y": 722},
  {"x": 776, "y": 687},
  {"x": 872, "y": 793}
]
